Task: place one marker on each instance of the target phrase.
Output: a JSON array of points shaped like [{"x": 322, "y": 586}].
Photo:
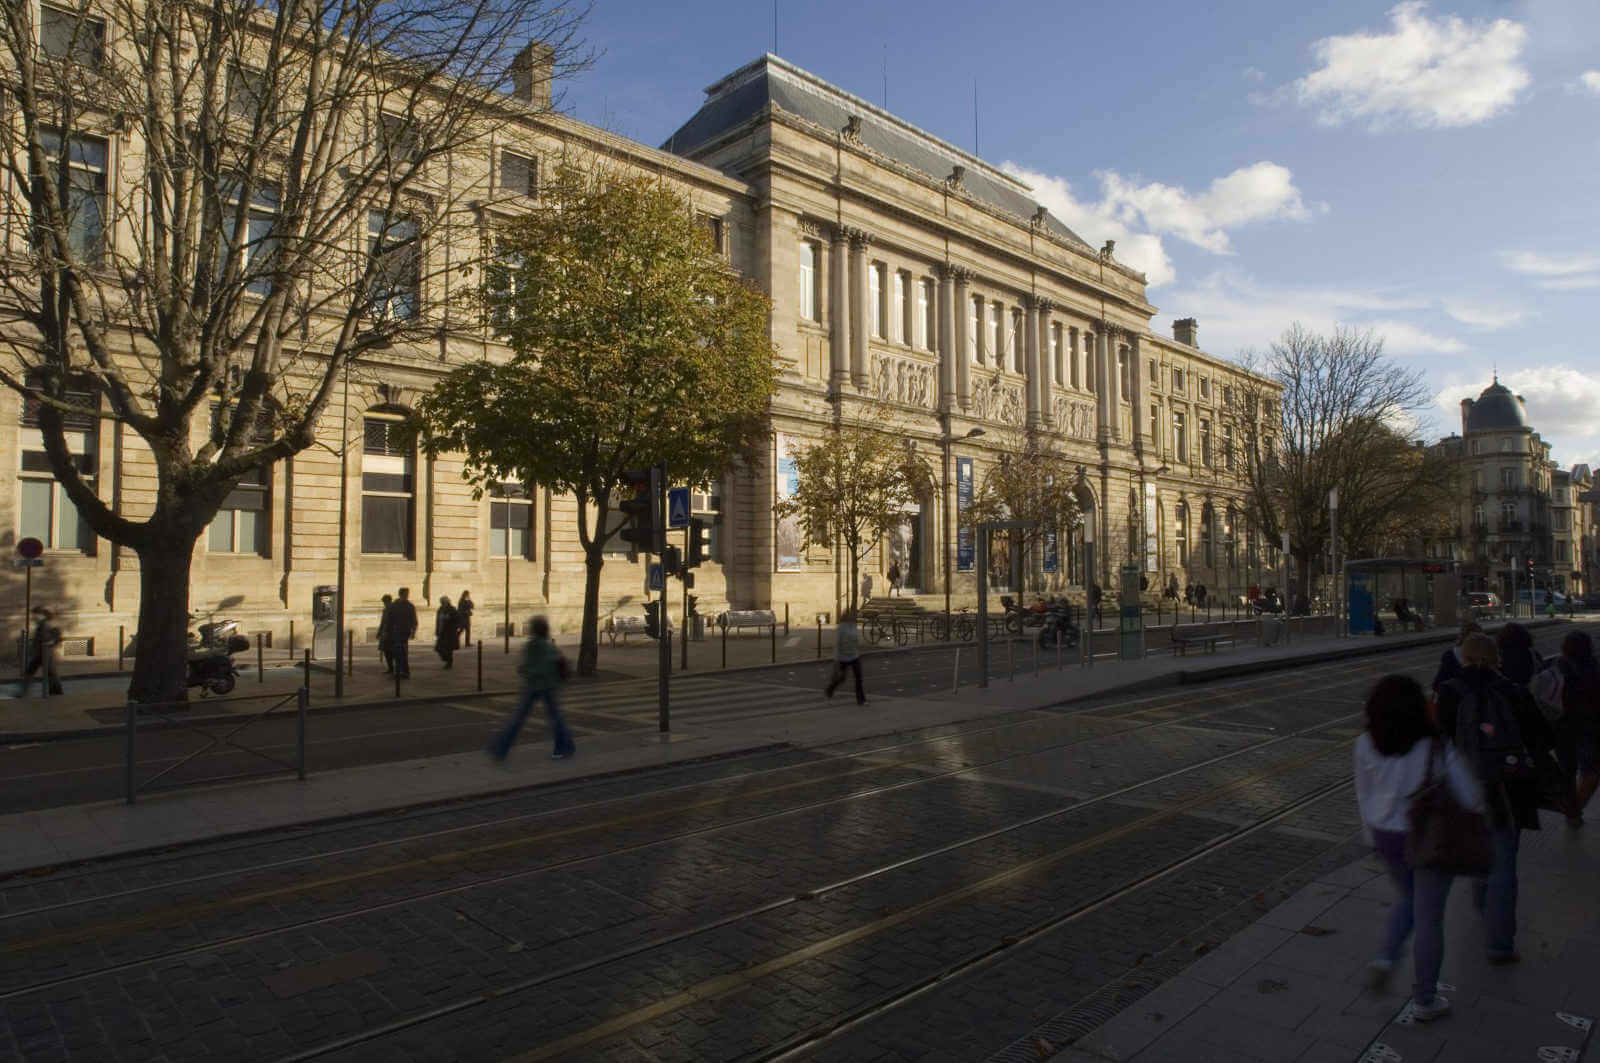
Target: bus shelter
[{"x": 1400, "y": 593}]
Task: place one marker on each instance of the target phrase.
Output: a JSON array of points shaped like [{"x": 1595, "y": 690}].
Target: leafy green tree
[
  {"x": 853, "y": 485},
  {"x": 632, "y": 342},
  {"x": 1033, "y": 482}
]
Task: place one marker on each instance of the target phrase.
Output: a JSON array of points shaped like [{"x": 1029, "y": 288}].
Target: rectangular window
[
  {"x": 1072, "y": 357},
  {"x": 1155, "y": 426},
  {"x": 1508, "y": 477},
  {"x": 877, "y": 310},
  {"x": 510, "y": 519},
  {"x": 1205, "y": 387},
  {"x": 1177, "y": 380},
  {"x": 397, "y": 279},
  {"x": 1124, "y": 374},
  {"x": 1227, "y": 447},
  {"x": 713, "y": 228},
  {"x": 1205, "y": 443},
  {"x": 45, "y": 512},
  {"x": 1058, "y": 354},
  {"x": 975, "y": 329},
  {"x": 1180, "y": 436},
  {"x": 240, "y": 526},
  {"x": 928, "y": 312},
  {"x": 253, "y": 262},
  {"x": 903, "y": 325},
  {"x": 997, "y": 347},
  {"x": 247, "y": 92},
  {"x": 519, "y": 174},
  {"x": 399, "y": 139},
  {"x": 1088, "y": 362},
  {"x": 86, "y": 204},
  {"x": 1155, "y": 373},
  {"x": 71, "y": 37},
  {"x": 388, "y": 489},
  {"x": 503, "y": 282},
  {"x": 1227, "y": 396},
  {"x": 1015, "y": 342},
  {"x": 809, "y": 255}
]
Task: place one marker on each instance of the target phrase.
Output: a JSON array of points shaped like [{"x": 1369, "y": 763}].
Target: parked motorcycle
[
  {"x": 1058, "y": 628},
  {"x": 1018, "y": 618},
  {"x": 209, "y": 663}
]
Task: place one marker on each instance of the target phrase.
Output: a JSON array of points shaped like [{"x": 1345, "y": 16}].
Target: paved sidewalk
[
  {"x": 1289, "y": 988},
  {"x": 81, "y": 832}
]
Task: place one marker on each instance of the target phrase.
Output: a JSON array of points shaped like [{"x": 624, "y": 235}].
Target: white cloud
[
  {"x": 1404, "y": 338},
  {"x": 1560, "y": 401},
  {"x": 1590, "y": 81},
  {"x": 1137, "y": 215},
  {"x": 1560, "y": 273},
  {"x": 1254, "y": 73},
  {"x": 1423, "y": 72},
  {"x": 1483, "y": 315}
]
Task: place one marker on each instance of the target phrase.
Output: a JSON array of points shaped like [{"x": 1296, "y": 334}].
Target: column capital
[
  {"x": 815, "y": 229},
  {"x": 1046, "y": 304},
  {"x": 857, "y": 237}
]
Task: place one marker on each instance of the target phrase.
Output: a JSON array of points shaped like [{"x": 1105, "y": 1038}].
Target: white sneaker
[{"x": 1437, "y": 1008}]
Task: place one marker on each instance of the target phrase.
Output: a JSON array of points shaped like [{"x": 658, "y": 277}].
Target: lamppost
[
  {"x": 510, "y": 491},
  {"x": 1333, "y": 536},
  {"x": 344, "y": 519},
  {"x": 949, "y": 542}
]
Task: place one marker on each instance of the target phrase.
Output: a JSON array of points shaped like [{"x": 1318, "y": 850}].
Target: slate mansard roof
[
  {"x": 1495, "y": 409},
  {"x": 772, "y": 81}
]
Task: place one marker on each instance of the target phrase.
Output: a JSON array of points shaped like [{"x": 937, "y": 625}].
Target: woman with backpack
[
  {"x": 1495, "y": 725},
  {"x": 1576, "y": 676},
  {"x": 1394, "y": 757}
]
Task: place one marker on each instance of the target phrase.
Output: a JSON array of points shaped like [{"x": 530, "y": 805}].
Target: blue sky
[{"x": 1430, "y": 170}]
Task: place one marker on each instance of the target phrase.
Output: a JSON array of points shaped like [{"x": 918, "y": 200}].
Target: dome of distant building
[{"x": 1496, "y": 409}]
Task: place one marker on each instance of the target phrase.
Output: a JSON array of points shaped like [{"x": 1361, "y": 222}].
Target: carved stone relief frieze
[
  {"x": 996, "y": 400},
  {"x": 1074, "y": 417},
  {"x": 904, "y": 380}
]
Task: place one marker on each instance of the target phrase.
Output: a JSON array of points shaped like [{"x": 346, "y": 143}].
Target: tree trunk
[
  {"x": 589, "y": 645},
  {"x": 853, "y": 545},
  {"x": 161, "y": 665}
]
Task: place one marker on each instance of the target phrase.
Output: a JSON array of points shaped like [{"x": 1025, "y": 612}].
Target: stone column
[
  {"x": 838, "y": 309},
  {"x": 1141, "y": 389},
  {"x": 860, "y": 313},
  {"x": 950, "y": 381},
  {"x": 1102, "y": 389},
  {"x": 961, "y": 306},
  {"x": 1047, "y": 371},
  {"x": 1030, "y": 340},
  {"x": 1074, "y": 365}
]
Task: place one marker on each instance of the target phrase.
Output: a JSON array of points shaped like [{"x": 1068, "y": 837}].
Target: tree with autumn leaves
[
  {"x": 632, "y": 340},
  {"x": 1034, "y": 482}
]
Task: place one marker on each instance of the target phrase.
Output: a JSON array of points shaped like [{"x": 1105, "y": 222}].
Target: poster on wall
[
  {"x": 1052, "y": 552},
  {"x": 1151, "y": 539},
  {"x": 786, "y": 531},
  {"x": 966, "y": 553}
]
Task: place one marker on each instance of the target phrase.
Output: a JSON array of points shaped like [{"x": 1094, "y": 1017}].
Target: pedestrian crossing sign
[
  {"x": 656, "y": 581},
  {"x": 678, "y": 507}
]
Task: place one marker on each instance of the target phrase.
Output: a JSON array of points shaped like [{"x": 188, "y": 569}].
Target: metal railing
[{"x": 217, "y": 734}]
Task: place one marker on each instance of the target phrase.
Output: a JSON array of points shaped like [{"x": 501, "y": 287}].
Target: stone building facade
[{"x": 913, "y": 285}]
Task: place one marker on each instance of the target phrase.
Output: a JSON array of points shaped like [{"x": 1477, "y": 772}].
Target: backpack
[
  {"x": 1549, "y": 689},
  {"x": 1488, "y": 733}
]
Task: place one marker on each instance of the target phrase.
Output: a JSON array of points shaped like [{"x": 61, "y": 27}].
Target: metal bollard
[
  {"x": 128, "y": 758},
  {"x": 1036, "y": 658},
  {"x": 308, "y": 669},
  {"x": 291, "y": 640},
  {"x": 480, "y": 666},
  {"x": 261, "y": 668},
  {"x": 724, "y": 642},
  {"x": 955, "y": 673},
  {"x": 819, "y": 636},
  {"x": 785, "y": 619},
  {"x": 301, "y": 701},
  {"x": 120, "y": 644},
  {"x": 350, "y": 651},
  {"x": 1059, "y": 641},
  {"x": 774, "y": 642},
  {"x": 397, "y": 682},
  {"x": 1011, "y": 660}
]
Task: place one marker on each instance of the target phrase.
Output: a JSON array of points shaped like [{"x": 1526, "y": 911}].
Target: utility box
[
  {"x": 324, "y": 622},
  {"x": 1131, "y": 613}
]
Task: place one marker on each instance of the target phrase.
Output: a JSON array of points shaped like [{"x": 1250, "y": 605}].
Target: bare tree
[
  {"x": 1337, "y": 411},
  {"x": 213, "y": 207}
]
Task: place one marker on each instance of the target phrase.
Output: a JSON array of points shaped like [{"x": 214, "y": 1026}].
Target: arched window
[
  {"x": 1208, "y": 551},
  {"x": 388, "y": 486},
  {"x": 1180, "y": 520}
]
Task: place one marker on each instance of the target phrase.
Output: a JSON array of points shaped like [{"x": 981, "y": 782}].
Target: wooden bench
[
  {"x": 1207, "y": 635},
  {"x": 625, "y": 626},
  {"x": 738, "y": 619}
]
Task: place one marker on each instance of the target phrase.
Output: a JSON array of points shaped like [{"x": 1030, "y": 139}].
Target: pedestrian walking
[
  {"x": 1450, "y": 664},
  {"x": 894, "y": 578},
  {"x": 1518, "y": 657},
  {"x": 866, "y": 588},
  {"x": 1570, "y": 684},
  {"x": 464, "y": 612},
  {"x": 1397, "y": 753},
  {"x": 446, "y": 631},
  {"x": 847, "y": 656},
  {"x": 1095, "y": 594},
  {"x": 543, "y": 670},
  {"x": 383, "y": 634},
  {"x": 401, "y": 630},
  {"x": 43, "y": 646},
  {"x": 1496, "y": 727}
]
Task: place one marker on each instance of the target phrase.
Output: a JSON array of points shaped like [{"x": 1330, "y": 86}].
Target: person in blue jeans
[
  {"x": 1397, "y": 751},
  {"x": 1511, "y": 804},
  {"x": 543, "y": 670}
]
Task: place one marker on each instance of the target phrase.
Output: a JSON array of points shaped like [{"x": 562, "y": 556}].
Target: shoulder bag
[{"x": 1443, "y": 834}]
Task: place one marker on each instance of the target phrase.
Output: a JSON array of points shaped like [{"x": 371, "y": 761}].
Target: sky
[{"x": 1429, "y": 170}]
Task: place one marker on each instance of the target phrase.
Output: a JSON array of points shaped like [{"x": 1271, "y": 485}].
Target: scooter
[
  {"x": 1058, "y": 628},
  {"x": 1017, "y": 618},
  {"x": 209, "y": 663}
]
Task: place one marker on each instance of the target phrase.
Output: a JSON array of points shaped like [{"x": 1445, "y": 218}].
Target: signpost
[
  {"x": 678, "y": 507},
  {"x": 984, "y": 532},
  {"x": 28, "y": 559},
  {"x": 656, "y": 581}
]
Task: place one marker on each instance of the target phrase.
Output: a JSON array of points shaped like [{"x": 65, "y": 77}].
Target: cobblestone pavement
[{"x": 932, "y": 895}]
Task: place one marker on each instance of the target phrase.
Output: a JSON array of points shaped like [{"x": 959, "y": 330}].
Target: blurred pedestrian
[
  {"x": 847, "y": 656},
  {"x": 464, "y": 611},
  {"x": 383, "y": 634},
  {"x": 43, "y": 645},
  {"x": 1394, "y": 756},
  {"x": 543, "y": 670},
  {"x": 446, "y": 631},
  {"x": 401, "y": 630},
  {"x": 866, "y": 588},
  {"x": 1450, "y": 664},
  {"x": 1496, "y": 727},
  {"x": 1518, "y": 658},
  {"x": 1578, "y": 727},
  {"x": 894, "y": 578}
]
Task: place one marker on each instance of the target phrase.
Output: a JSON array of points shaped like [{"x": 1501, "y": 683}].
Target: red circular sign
[{"x": 29, "y": 548}]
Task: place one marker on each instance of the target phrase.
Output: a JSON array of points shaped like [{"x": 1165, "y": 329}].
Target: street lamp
[
  {"x": 949, "y": 543},
  {"x": 1333, "y": 536}
]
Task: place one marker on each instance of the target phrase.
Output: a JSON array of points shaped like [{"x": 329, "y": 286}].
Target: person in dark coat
[
  {"x": 43, "y": 645},
  {"x": 464, "y": 609},
  {"x": 1518, "y": 659},
  {"x": 1511, "y": 805},
  {"x": 1578, "y": 727},
  {"x": 402, "y": 628},
  {"x": 1450, "y": 660},
  {"x": 446, "y": 631},
  {"x": 383, "y": 633}
]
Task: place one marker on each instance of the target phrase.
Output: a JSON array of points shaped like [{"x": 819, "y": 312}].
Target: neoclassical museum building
[{"x": 913, "y": 285}]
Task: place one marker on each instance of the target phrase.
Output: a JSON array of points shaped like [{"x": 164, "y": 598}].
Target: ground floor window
[
  {"x": 510, "y": 520},
  {"x": 240, "y": 526}
]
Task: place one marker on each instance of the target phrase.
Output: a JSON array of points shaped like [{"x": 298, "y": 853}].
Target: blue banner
[
  {"x": 1052, "y": 552},
  {"x": 966, "y": 546},
  {"x": 1359, "y": 597}
]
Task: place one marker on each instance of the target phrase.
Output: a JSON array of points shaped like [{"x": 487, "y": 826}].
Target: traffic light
[
  {"x": 642, "y": 506},
  {"x": 671, "y": 561},
  {"x": 694, "y": 605},
  {"x": 652, "y": 619},
  {"x": 699, "y": 544},
  {"x": 1527, "y": 565}
]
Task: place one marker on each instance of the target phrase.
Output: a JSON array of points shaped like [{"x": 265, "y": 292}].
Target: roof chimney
[
  {"x": 1186, "y": 330},
  {"x": 1466, "y": 411},
  {"x": 531, "y": 70}
]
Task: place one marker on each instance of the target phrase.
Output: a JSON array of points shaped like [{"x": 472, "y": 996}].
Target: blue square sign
[{"x": 678, "y": 507}]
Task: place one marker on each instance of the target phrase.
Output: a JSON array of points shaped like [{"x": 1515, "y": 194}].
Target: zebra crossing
[{"x": 628, "y": 705}]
